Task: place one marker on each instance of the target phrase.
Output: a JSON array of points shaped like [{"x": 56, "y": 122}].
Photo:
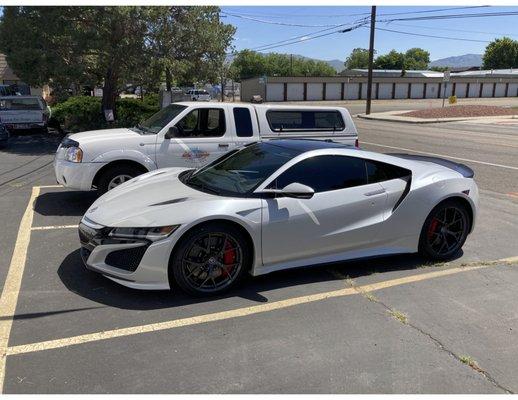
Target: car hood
[
  {"x": 157, "y": 198},
  {"x": 103, "y": 134}
]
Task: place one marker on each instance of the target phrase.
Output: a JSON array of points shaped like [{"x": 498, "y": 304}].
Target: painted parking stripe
[
  {"x": 441, "y": 155},
  {"x": 236, "y": 313},
  {"x": 44, "y": 228},
  {"x": 13, "y": 280}
]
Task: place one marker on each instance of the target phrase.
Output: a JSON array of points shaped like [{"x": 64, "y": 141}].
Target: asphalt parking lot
[{"x": 391, "y": 325}]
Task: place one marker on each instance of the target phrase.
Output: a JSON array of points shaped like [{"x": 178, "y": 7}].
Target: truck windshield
[
  {"x": 242, "y": 172},
  {"x": 156, "y": 122}
]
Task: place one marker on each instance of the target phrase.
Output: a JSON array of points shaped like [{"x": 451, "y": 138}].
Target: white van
[
  {"x": 24, "y": 112},
  {"x": 189, "y": 134}
]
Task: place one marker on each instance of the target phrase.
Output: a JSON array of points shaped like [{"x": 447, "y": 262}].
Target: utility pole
[
  {"x": 291, "y": 64},
  {"x": 371, "y": 60}
]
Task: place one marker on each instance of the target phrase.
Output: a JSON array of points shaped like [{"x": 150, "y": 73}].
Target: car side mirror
[
  {"x": 295, "y": 190},
  {"x": 173, "y": 132}
]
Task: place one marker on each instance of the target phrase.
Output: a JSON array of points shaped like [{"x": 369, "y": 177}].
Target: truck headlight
[
  {"x": 153, "y": 234},
  {"x": 74, "y": 154}
]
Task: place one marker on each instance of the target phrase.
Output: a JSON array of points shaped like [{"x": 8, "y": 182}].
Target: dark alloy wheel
[
  {"x": 445, "y": 230},
  {"x": 210, "y": 260}
]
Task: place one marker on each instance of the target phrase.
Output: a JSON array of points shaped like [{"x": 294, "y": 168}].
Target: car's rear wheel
[
  {"x": 210, "y": 259},
  {"x": 445, "y": 230},
  {"x": 115, "y": 176}
]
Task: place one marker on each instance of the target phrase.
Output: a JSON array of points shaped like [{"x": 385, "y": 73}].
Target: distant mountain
[
  {"x": 466, "y": 60},
  {"x": 336, "y": 64}
]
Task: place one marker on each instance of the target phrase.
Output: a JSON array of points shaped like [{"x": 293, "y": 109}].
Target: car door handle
[
  {"x": 374, "y": 192},
  {"x": 223, "y": 145}
]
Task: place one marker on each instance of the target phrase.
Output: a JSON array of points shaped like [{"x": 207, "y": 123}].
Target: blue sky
[{"x": 252, "y": 34}]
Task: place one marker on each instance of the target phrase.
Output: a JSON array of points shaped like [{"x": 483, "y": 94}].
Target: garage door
[
  {"x": 460, "y": 89},
  {"x": 275, "y": 92},
  {"x": 351, "y": 91},
  {"x": 474, "y": 90},
  {"x": 500, "y": 90},
  {"x": 432, "y": 90},
  {"x": 334, "y": 91},
  {"x": 513, "y": 90},
  {"x": 295, "y": 91},
  {"x": 487, "y": 90},
  {"x": 315, "y": 91},
  {"x": 401, "y": 91},
  {"x": 385, "y": 91},
  {"x": 416, "y": 92}
]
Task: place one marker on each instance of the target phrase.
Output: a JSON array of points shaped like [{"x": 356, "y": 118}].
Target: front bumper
[
  {"x": 137, "y": 264},
  {"x": 79, "y": 176}
]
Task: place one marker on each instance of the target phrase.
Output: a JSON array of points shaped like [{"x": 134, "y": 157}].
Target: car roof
[{"x": 305, "y": 145}]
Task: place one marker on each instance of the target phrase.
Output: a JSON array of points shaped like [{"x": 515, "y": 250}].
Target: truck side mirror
[{"x": 173, "y": 132}]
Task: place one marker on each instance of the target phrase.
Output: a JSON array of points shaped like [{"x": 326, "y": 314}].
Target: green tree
[
  {"x": 501, "y": 53},
  {"x": 248, "y": 64},
  {"x": 416, "y": 58},
  {"x": 358, "y": 59},
  {"x": 73, "y": 46},
  {"x": 391, "y": 60}
]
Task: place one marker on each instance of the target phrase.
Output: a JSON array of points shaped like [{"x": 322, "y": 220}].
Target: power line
[
  {"x": 452, "y": 30},
  {"x": 308, "y": 37},
  {"x": 432, "y": 36},
  {"x": 452, "y": 16},
  {"x": 276, "y": 22},
  {"x": 436, "y": 10}
]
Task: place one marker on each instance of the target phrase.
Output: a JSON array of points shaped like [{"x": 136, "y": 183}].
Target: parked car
[
  {"x": 24, "y": 112},
  {"x": 199, "y": 95},
  {"x": 274, "y": 205},
  {"x": 4, "y": 136},
  {"x": 186, "y": 135}
]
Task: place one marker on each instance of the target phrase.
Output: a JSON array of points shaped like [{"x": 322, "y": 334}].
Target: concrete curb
[{"x": 390, "y": 117}]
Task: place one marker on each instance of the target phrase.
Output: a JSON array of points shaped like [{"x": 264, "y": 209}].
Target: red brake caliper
[
  {"x": 229, "y": 257},
  {"x": 432, "y": 228}
]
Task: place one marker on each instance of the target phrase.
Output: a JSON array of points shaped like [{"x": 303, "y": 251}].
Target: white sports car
[{"x": 273, "y": 205}]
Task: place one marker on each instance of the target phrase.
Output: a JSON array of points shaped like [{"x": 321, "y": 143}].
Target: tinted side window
[
  {"x": 202, "y": 122},
  {"x": 243, "y": 122},
  {"x": 305, "y": 120},
  {"x": 378, "y": 171},
  {"x": 324, "y": 173}
]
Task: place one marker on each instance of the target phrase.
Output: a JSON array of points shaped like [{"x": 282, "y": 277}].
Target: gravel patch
[{"x": 461, "y": 111}]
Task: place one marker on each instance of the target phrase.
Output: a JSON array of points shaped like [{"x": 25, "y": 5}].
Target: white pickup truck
[
  {"x": 189, "y": 134},
  {"x": 24, "y": 112}
]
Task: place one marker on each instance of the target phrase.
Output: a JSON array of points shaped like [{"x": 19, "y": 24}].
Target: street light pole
[{"x": 371, "y": 60}]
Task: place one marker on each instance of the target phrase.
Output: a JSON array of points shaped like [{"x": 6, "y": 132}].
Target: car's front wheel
[
  {"x": 210, "y": 259},
  {"x": 445, "y": 230}
]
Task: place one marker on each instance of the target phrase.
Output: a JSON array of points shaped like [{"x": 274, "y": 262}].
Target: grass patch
[
  {"x": 470, "y": 361},
  {"x": 369, "y": 296},
  {"x": 399, "y": 316}
]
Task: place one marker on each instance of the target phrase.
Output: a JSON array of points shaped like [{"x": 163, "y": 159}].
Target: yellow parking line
[
  {"x": 44, "y": 228},
  {"x": 13, "y": 281},
  {"x": 240, "y": 312},
  {"x": 48, "y": 186}
]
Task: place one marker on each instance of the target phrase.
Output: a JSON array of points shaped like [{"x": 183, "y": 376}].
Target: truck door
[{"x": 204, "y": 134}]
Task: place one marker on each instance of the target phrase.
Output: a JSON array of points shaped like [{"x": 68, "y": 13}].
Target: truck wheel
[{"x": 116, "y": 176}]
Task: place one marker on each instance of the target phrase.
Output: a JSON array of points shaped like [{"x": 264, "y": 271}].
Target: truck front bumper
[{"x": 78, "y": 176}]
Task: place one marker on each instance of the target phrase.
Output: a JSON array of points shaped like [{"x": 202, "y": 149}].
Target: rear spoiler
[{"x": 462, "y": 169}]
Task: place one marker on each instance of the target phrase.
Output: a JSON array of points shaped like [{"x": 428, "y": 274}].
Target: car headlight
[
  {"x": 74, "y": 154},
  {"x": 153, "y": 234}
]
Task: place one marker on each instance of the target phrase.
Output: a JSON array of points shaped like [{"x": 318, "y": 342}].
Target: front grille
[{"x": 126, "y": 259}]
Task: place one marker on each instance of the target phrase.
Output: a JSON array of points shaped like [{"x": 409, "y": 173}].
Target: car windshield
[
  {"x": 242, "y": 171},
  {"x": 156, "y": 122}
]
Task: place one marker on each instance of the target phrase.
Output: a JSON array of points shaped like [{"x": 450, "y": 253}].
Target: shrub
[
  {"x": 83, "y": 113},
  {"x": 452, "y": 99},
  {"x": 79, "y": 113}
]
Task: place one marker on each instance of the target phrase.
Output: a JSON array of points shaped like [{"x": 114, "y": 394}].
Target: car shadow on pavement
[
  {"x": 33, "y": 144},
  {"x": 62, "y": 203},
  {"x": 99, "y": 289}
]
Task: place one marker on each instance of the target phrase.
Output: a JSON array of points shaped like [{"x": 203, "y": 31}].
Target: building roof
[
  {"x": 6, "y": 73},
  {"x": 396, "y": 73}
]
